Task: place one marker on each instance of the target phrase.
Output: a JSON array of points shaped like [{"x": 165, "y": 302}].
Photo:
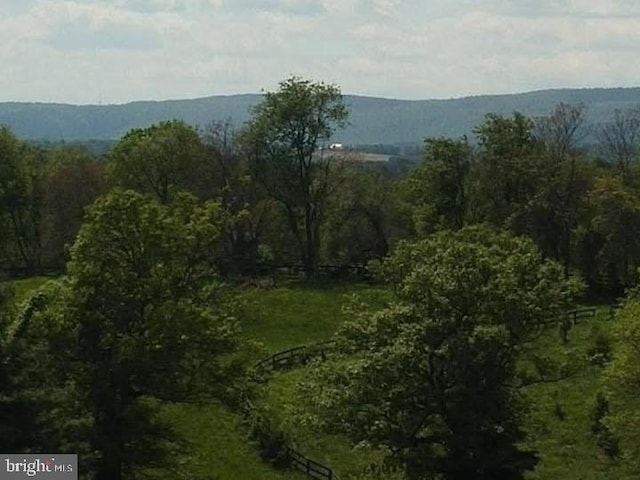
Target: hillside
[{"x": 372, "y": 121}]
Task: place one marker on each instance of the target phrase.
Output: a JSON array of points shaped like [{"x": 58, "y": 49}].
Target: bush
[
  {"x": 604, "y": 438},
  {"x": 271, "y": 442},
  {"x": 599, "y": 352}
]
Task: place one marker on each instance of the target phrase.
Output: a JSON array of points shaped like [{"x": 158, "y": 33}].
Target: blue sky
[{"x": 115, "y": 51}]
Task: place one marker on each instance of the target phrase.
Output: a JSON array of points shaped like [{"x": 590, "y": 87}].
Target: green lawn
[
  {"x": 566, "y": 445},
  {"x": 560, "y": 420},
  {"x": 217, "y": 445},
  {"x": 24, "y": 287},
  {"x": 299, "y": 314}
]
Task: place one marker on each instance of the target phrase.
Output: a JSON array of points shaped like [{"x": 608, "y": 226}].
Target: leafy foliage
[
  {"x": 282, "y": 140},
  {"x": 139, "y": 319},
  {"x": 162, "y": 160},
  {"x": 622, "y": 373},
  {"x": 427, "y": 377}
]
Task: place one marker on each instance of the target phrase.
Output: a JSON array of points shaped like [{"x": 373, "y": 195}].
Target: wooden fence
[
  {"x": 575, "y": 315},
  {"x": 295, "y": 356},
  {"x": 358, "y": 271},
  {"x": 287, "y": 358},
  {"x": 613, "y": 309},
  {"x": 312, "y": 468}
]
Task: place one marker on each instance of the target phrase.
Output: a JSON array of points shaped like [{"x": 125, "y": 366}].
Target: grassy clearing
[
  {"x": 558, "y": 424},
  {"x": 560, "y": 421},
  {"x": 299, "y": 314},
  {"x": 218, "y": 445},
  {"x": 24, "y": 287},
  {"x": 279, "y": 318}
]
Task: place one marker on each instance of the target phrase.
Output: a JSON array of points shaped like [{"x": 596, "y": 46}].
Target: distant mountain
[{"x": 372, "y": 120}]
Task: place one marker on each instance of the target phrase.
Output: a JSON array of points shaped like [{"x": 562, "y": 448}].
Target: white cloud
[{"x": 134, "y": 49}]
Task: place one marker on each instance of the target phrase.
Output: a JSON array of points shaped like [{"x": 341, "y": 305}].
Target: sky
[{"x": 117, "y": 51}]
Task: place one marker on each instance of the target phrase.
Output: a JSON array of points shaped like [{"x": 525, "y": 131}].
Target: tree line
[{"x": 292, "y": 200}]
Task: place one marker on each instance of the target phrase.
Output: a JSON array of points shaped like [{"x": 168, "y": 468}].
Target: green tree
[
  {"x": 622, "y": 381},
  {"x": 564, "y": 188},
  {"x": 250, "y": 208},
  {"x": 432, "y": 378},
  {"x": 615, "y": 219},
  {"x": 22, "y": 171},
  {"x": 73, "y": 181},
  {"x": 285, "y": 140},
  {"x": 437, "y": 190},
  {"x": 532, "y": 178},
  {"x": 361, "y": 221},
  {"x": 504, "y": 177},
  {"x": 18, "y": 429},
  {"x": 163, "y": 159},
  {"x": 139, "y": 320}
]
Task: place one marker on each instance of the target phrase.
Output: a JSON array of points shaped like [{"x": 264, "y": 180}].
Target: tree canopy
[
  {"x": 139, "y": 319},
  {"x": 427, "y": 378}
]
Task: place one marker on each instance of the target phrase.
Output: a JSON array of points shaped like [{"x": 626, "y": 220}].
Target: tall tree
[
  {"x": 429, "y": 379},
  {"x": 250, "y": 208},
  {"x": 284, "y": 140},
  {"x": 73, "y": 181},
  {"x": 504, "y": 177},
  {"x": 22, "y": 171},
  {"x": 620, "y": 140},
  {"x": 139, "y": 320},
  {"x": 562, "y": 132},
  {"x": 438, "y": 188}
]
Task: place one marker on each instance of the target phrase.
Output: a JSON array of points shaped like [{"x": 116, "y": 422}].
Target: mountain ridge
[{"x": 373, "y": 120}]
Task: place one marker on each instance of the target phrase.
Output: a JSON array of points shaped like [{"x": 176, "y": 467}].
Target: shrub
[{"x": 599, "y": 352}]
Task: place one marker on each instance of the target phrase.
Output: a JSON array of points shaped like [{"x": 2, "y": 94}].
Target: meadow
[{"x": 217, "y": 444}]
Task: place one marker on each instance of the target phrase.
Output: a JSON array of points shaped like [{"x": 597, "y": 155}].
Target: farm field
[{"x": 295, "y": 314}]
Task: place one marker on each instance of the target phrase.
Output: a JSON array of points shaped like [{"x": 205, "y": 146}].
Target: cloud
[
  {"x": 70, "y": 50},
  {"x": 79, "y": 35},
  {"x": 292, "y": 7}
]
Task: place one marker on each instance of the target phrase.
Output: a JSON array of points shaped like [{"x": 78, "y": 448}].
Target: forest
[{"x": 231, "y": 303}]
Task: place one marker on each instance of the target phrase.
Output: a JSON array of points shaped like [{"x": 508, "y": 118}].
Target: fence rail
[
  {"x": 576, "y": 315},
  {"x": 312, "y": 468},
  {"x": 24, "y": 272},
  {"x": 295, "y": 356},
  {"x": 356, "y": 270},
  {"x": 613, "y": 309},
  {"x": 573, "y": 316}
]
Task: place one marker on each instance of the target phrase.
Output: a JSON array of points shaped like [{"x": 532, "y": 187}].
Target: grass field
[
  {"x": 294, "y": 314},
  {"x": 24, "y": 287},
  {"x": 558, "y": 424}
]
